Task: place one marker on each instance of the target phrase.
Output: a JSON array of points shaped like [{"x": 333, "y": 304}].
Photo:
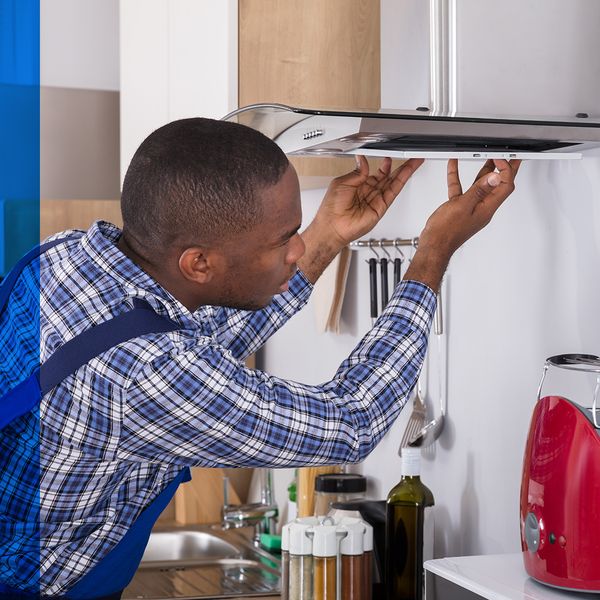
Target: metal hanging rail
[{"x": 385, "y": 243}]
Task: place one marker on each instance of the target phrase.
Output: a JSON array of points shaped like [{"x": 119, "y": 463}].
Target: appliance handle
[
  {"x": 539, "y": 392},
  {"x": 595, "y": 403}
]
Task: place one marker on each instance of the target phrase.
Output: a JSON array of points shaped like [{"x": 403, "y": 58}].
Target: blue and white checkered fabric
[{"x": 113, "y": 435}]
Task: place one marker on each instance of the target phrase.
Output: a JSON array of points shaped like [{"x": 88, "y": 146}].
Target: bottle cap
[
  {"x": 410, "y": 461},
  {"x": 340, "y": 483},
  {"x": 299, "y": 542},
  {"x": 325, "y": 540},
  {"x": 353, "y": 542}
]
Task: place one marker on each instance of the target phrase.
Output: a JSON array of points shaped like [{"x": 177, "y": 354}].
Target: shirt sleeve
[
  {"x": 205, "y": 408},
  {"x": 242, "y": 332}
]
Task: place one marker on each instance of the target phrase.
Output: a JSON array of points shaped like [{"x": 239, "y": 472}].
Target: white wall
[
  {"x": 178, "y": 60},
  {"x": 79, "y": 44}
]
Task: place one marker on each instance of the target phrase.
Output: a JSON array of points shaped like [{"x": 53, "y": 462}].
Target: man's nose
[{"x": 297, "y": 249}]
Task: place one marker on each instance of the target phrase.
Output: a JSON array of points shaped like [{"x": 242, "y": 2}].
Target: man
[{"x": 210, "y": 241}]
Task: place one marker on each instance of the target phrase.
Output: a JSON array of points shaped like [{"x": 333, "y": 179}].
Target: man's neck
[{"x": 159, "y": 271}]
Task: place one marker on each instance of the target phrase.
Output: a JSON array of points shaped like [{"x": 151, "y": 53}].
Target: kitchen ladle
[{"x": 431, "y": 431}]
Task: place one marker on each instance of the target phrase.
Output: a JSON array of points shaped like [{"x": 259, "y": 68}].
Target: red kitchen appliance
[{"x": 560, "y": 488}]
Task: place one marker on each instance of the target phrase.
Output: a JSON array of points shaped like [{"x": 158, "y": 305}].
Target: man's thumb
[{"x": 494, "y": 179}]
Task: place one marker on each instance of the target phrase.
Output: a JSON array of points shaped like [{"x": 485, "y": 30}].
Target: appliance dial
[{"x": 532, "y": 532}]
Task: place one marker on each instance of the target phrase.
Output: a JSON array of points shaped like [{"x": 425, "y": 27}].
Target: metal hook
[
  {"x": 397, "y": 247},
  {"x": 381, "y": 245},
  {"x": 372, "y": 243}
]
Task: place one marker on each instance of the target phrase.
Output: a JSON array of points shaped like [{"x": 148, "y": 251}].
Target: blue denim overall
[{"x": 116, "y": 569}]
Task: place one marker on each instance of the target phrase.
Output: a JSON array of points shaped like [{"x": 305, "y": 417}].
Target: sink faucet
[{"x": 260, "y": 515}]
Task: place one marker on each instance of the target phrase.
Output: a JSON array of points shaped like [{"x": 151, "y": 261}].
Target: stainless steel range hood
[{"x": 418, "y": 134}]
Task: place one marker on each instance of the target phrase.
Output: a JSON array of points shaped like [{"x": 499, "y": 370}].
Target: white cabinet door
[
  {"x": 178, "y": 60},
  {"x": 540, "y": 57}
]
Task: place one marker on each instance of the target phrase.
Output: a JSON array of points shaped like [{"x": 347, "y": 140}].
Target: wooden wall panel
[
  {"x": 313, "y": 53},
  {"x": 58, "y": 215}
]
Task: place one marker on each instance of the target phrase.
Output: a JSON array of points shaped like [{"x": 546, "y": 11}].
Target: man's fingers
[
  {"x": 515, "y": 164},
  {"x": 454, "y": 186},
  {"x": 400, "y": 176},
  {"x": 488, "y": 167},
  {"x": 359, "y": 175},
  {"x": 384, "y": 169},
  {"x": 490, "y": 190}
]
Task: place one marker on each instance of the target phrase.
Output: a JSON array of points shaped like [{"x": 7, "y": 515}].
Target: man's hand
[
  {"x": 353, "y": 205},
  {"x": 355, "y": 202},
  {"x": 461, "y": 217}
]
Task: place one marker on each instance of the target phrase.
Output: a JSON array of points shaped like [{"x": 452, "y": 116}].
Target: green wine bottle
[{"x": 409, "y": 531}]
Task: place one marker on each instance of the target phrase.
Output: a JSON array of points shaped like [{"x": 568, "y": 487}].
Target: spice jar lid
[
  {"x": 285, "y": 537},
  {"x": 325, "y": 540},
  {"x": 340, "y": 483},
  {"x": 353, "y": 543},
  {"x": 299, "y": 542}
]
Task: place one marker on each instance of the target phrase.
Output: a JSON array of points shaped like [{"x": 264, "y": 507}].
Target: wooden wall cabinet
[{"x": 313, "y": 54}]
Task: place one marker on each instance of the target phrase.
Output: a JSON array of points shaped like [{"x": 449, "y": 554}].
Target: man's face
[{"x": 260, "y": 262}]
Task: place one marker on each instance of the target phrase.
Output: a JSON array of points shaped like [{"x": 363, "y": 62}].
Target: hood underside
[{"x": 416, "y": 134}]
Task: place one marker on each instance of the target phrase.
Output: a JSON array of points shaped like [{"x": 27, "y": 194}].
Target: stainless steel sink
[
  {"x": 204, "y": 562},
  {"x": 170, "y": 548}
]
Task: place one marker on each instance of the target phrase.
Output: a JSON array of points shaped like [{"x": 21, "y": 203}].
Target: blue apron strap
[
  {"x": 18, "y": 401},
  {"x": 114, "y": 572},
  {"x": 77, "y": 352},
  {"x": 9, "y": 281},
  {"x": 82, "y": 348}
]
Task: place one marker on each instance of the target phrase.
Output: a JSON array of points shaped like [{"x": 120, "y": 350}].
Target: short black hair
[{"x": 196, "y": 181}]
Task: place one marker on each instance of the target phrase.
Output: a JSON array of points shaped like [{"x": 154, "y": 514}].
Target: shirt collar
[{"x": 100, "y": 244}]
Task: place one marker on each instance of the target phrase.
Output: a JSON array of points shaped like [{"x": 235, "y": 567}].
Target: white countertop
[{"x": 498, "y": 577}]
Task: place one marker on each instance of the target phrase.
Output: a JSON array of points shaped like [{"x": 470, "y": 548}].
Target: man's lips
[{"x": 286, "y": 284}]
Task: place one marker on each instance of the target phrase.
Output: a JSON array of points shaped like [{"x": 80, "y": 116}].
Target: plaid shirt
[{"x": 116, "y": 432}]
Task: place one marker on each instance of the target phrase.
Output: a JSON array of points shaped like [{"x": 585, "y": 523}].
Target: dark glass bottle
[{"x": 409, "y": 531}]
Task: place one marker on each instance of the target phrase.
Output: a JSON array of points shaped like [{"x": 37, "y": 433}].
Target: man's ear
[{"x": 198, "y": 264}]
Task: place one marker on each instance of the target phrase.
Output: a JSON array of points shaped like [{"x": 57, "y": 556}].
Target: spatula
[{"x": 417, "y": 418}]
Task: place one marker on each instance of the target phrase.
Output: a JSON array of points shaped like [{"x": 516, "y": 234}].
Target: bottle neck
[{"x": 410, "y": 466}]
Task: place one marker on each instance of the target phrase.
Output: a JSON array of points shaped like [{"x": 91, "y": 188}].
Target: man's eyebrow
[{"x": 289, "y": 234}]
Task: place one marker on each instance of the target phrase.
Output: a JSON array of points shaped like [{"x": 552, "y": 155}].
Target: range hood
[{"x": 418, "y": 134}]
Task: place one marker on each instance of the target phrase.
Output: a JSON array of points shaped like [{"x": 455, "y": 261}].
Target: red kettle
[{"x": 560, "y": 487}]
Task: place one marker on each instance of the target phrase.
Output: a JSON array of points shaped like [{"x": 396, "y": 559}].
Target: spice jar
[
  {"x": 337, "y": 487},
  {"x": 368, "y": 562},
  {"x": 325, "y": 550},
  {"x": 300, "y": 579},
  {"x": 285, "y": 562},
  {"x": 352, "y": 558}
]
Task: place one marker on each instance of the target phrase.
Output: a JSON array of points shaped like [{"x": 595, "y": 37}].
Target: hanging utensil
[
  {"x": 398, "y": 264},
  {"x": 383, "y": 267},
  {"x": 416, "y": 421},
  {"x": 373, "y": 288},
  {"x": 373, "y": 283},
  {"x": 433, "y": 429}
]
